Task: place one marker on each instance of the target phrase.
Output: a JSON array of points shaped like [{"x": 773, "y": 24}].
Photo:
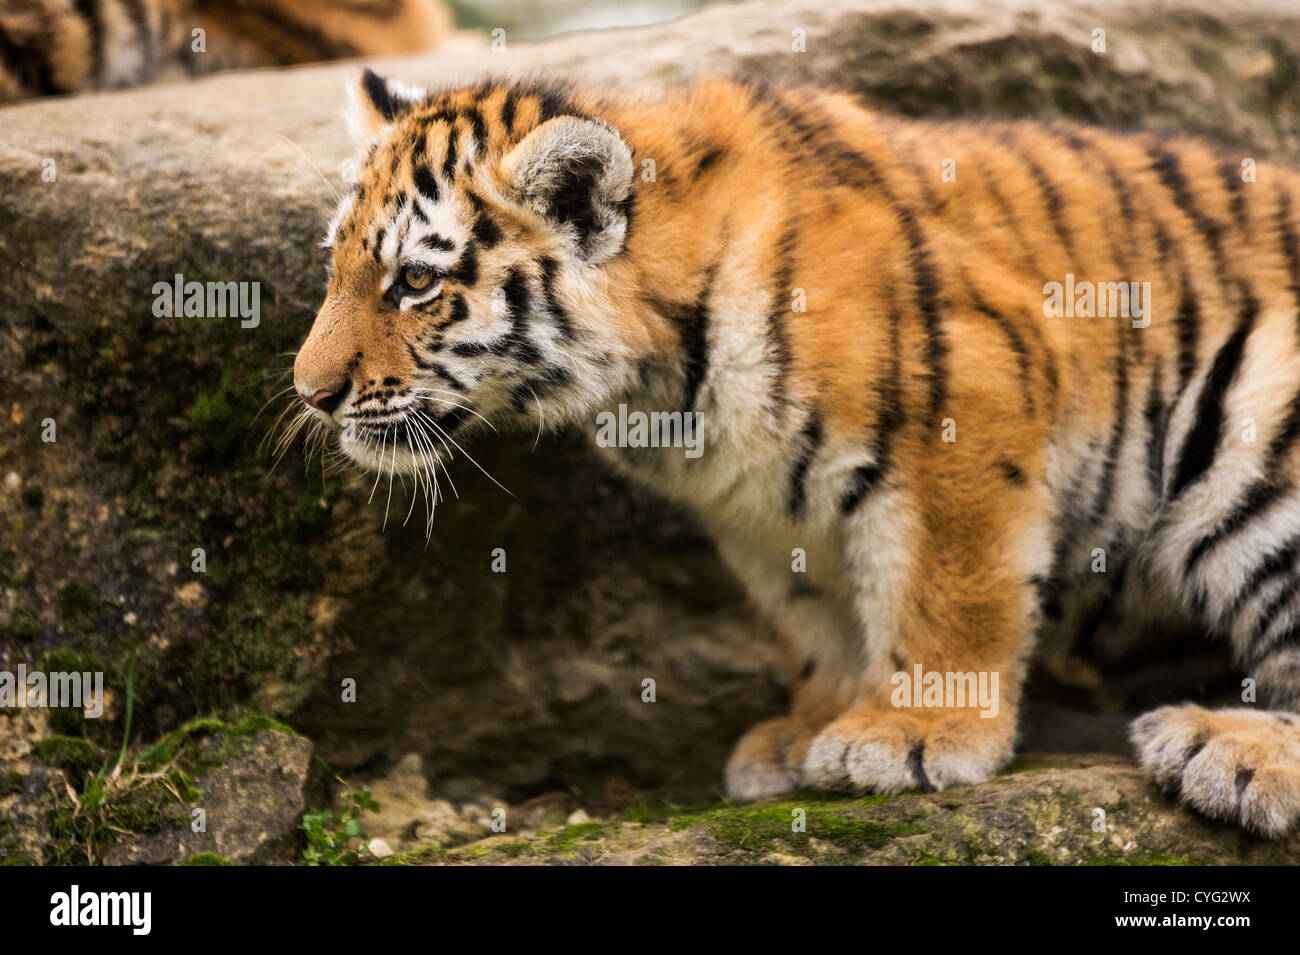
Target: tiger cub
[
  {"x": 62, "y": 46},
  {"x": 919, "y": 428}
]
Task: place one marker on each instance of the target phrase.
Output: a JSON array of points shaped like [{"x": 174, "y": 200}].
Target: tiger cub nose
[{"x": 327, "y": 400}]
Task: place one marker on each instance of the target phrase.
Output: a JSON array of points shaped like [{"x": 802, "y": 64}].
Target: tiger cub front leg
[
  {"x": 817, "y": 635},
  {"x": 949, "y": 619}
]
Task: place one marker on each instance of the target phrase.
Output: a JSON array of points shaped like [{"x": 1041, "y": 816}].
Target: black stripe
[
  {"x": 1261, "y": 495},
  {"x": 1202, "y": 441},
  {"x": 1119, "y": 425},
  {"x": 446, "y": 376},
  {"x": 552, "y": 102},
  {"x": 810, "y": 441},
  {"x": 1258, "y": 497},
  {"x": 692, "y": 324},
  {"x": 415, "y": 357},
  {"x": 518, "y": 304},
  {"x": 1055, "y": 207},
  {"x": 778, "y": 340},
  {"x": 294, "y": 32},
  {"x": 1049, "y": 603},
  {"x": 862, "y": 481},
  {"x": 1017, "y": 344},
  {"x": 916, "y": 763},
  {"x": 1011, "y": 471},
  {"x": 466, "y": 269},
  {"x": 805, "y": 136},
  {"x": 508, "y": 110},
  {"x": 29, "y": 65},
  {"x": 1171, "y": 174},
  {"x": 888, "y": 399},
  {"x": 708, "y": 160},
  {"x": 1236, "y": 198},
  {"x": 1274, "y": 564},
  {"x": 425, "y": 181},
  {"x": 438, "y": 243},
  {"x": 1290, "y": 243},
  {"x": 478, "y": 128},
  {"x": 553, "y": 307},
  {"x": 1268, "y": 613},
  {"x": 927, "y": 295},
  {"x": 89, "y": 10},
  {"x": 1188, "y": 323},
  {"x": 1157, "y": 421},
  {"x": 547, "y": 380},
  {"x": 449, "y": 161},
  {"x": 459, "y": 310},
  {"x": 485, "y": 230},
  {"x": 1123, "y": 197},
  {"x": 377, "y": 91},
  {"x": 1013, "y": 223},
  {"x": 1286, "y": 640}
]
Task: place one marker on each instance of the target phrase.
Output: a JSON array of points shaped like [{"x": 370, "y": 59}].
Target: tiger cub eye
[{"x": 418, "y": 280}]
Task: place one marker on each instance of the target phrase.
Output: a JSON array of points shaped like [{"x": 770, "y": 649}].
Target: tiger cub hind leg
[{"x": 1240, "y": 766}]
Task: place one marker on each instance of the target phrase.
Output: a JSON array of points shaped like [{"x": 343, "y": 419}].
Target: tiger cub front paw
[
  {"x": 1240, "y": 766},
  {"x": 871, "y": 749},
  {"x": 768, "y": 760}
]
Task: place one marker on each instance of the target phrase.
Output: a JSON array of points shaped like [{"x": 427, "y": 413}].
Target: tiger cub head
[{"x": 471, "y": 269}]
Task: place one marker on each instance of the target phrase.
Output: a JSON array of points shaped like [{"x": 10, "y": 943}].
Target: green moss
[
  {"x": 12, "y": 782},
  {"x": 21, "y": 626},
  {"x": 758, "y": 830},
  {"x": 567, "y": 839},
  {"x": 78, "y": 604},
  {"x": 212, "y": 417},
  {"x": 513, "y": 849},
  {"x": 69, "y": 661},
  {"x": 69, "y": 720},
  {"x": 206, "y": 858},
  {"x": 167, "y": 748},
  {"x": 1038, "y": 857},
  {"x": 206, "y": 743},
  {"x": 1114, "y": 857},
  {"x": 661, "y": 810},
  {"x": 69, "y": 752},
  {"x": 142, "y": 802},
  {"x": 154, "y": 808},
  {"x": 256, "y": 723},
  {"x": 425, "y": 855}
]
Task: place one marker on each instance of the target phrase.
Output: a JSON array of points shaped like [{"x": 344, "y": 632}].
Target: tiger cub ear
[
  {"x": 576, "y": 173},
  {"x": 374, "y": 102}
]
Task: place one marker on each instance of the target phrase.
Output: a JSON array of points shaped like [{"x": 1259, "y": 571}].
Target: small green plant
[
  {"x": 329, "y": 833},
  {"x": 86, "y": 822}
]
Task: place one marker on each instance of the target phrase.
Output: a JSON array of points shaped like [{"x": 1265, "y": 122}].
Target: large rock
[
  {"x": 524, "y": 678},
  {"x": 251, "y": 804},
  {"x": 1088, "y": 810}
]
